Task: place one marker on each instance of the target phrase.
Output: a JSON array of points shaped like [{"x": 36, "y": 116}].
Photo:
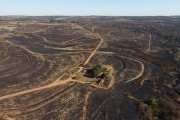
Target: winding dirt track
[
  {"x": 140, "y": 73},
  {"x": 142, "y": 65}
]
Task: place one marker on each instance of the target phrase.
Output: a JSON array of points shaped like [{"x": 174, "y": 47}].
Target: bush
[
  {"x": 89, "y": 66},
  {"x": 161, "y": 110},
  {"x": 154, "y": 102},
  {"x": 96, "y": 71}
]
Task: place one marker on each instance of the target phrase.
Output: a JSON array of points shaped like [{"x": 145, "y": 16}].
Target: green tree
[{"x": 96, "y": 71}]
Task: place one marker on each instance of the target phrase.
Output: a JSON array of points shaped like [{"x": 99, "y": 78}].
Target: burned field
[{"x": 42, "y": 66}]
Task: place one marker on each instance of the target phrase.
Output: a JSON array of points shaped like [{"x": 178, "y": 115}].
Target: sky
[{"x": 90, "y": 7}]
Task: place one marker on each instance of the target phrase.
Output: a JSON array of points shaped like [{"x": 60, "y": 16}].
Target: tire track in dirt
[
  {"x": 86, "y": 104},
  {"x": 59, "y": 48},
  {"x": 48, "y": 100},
  {"x": 95, "y": 113},
  {"x": 41, "y": 103},
  {"x": 4, "y": 51},
  {"x": 24, "y": 48},
  {"x": 19, "y": 68}
]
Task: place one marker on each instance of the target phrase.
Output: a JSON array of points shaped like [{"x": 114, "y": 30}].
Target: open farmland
[{"x": 42, "y": 68}]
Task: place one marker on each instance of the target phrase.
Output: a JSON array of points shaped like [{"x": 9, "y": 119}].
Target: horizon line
[{"x": 95, "y": 15}]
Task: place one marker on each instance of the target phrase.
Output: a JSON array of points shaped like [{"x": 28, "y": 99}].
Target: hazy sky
[{"x": 90, "y": 7}]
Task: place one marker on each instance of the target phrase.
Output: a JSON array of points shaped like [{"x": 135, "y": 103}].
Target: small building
[{"x": 100, "y": 81}]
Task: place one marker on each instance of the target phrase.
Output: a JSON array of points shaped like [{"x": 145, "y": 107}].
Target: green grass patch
[{"x": 7, "y": 29}]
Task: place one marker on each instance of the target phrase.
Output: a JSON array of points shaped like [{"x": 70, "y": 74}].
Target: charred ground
[{"x": 40, "y": 55}]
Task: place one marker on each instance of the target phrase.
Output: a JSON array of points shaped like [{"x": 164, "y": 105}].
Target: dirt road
[
  {"x": 35, "y": 89},
  {"x": 92, "y": 54},
  {"x": 140, "y": 73},
  {"x": 86, "y": 104}
]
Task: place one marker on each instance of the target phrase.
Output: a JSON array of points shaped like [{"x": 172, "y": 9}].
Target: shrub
[
  {"x": 154, "y": 102},
  {"x": 161, "y": 110},
  {"x": 96, "y": 71}
]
